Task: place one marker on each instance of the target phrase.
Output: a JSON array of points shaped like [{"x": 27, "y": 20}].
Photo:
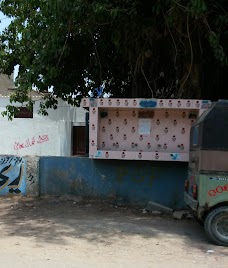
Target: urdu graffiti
[
  {"x": 12, "y": 175},
  {"x": 31, "y": 142}
]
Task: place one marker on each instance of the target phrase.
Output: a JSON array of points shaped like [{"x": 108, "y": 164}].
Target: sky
[{"x": 4, "y": 22}]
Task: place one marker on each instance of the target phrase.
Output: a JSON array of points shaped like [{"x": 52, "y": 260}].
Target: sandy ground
[{"x": 69, "y": 233}]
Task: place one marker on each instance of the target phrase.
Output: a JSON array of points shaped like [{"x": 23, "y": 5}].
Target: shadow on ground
[{"x": 53, "y": 220}]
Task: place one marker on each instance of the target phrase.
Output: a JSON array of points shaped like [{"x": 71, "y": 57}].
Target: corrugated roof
[
  {"x": 7, "y": 87},
  {"x": 5, "y": 83}
]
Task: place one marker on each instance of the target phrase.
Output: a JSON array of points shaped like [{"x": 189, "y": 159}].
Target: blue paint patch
[
  {"x": 12, "y": 175},
  {"x": 175, "y": 156},
  {"x": 205, "y": 104},
  {"x": 99, "y": 91},
  {"x": 93, "y": 102},
  {"x": 99, "y": 154},
  {"x": 148, "y": 103}
]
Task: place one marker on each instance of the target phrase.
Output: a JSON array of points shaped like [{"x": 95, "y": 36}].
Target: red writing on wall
[
  {"x": 31, "y": 142},
  {"x": 218, "y": 190}
]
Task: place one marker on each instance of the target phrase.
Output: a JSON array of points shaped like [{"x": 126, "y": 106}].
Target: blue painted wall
[
  {"x": 12, "y": 175},
  {"x": 135, "y": 182}
]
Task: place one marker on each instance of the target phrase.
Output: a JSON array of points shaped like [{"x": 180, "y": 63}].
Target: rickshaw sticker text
[
  {"x": 219, "y": 179},
  {"x": 218, "y": 190}
]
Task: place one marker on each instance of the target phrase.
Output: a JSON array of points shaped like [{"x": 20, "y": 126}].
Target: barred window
[{"x": 24, "y": 112}]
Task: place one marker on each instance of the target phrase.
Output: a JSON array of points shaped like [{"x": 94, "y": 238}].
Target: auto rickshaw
[{"x": 206, "y": 189}]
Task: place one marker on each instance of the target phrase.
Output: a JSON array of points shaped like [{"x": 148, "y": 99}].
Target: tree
[{"x": 137, "y": 48}]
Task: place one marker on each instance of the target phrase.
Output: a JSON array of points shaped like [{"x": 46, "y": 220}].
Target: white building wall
[
  {"x": 64, "y": 112},
  {"x": 65, "y": 134},
  {"x": 41, "y": 135},
  {"x": 29, "y": 137}
]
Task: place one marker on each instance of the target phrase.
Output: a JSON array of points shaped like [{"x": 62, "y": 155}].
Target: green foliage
[
  {"x": 197, "y": 7},
  {"x": 138, "y": 48},
  {"x": 10, "y": 111},
  {"x": 217, "y": 48}
]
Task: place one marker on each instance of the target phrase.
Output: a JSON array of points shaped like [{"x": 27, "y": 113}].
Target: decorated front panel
[
  {"x": 142, "y": 129},
  {"x": 145, "y": 130}
]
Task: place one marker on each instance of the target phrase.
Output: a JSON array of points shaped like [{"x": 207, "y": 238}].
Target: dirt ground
[{"x": 53, "y": 232}]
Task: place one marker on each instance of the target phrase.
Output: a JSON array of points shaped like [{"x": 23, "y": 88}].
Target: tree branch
[
  {"x": 97, "y": 56},
  {"x": 191, "y": 62}
]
